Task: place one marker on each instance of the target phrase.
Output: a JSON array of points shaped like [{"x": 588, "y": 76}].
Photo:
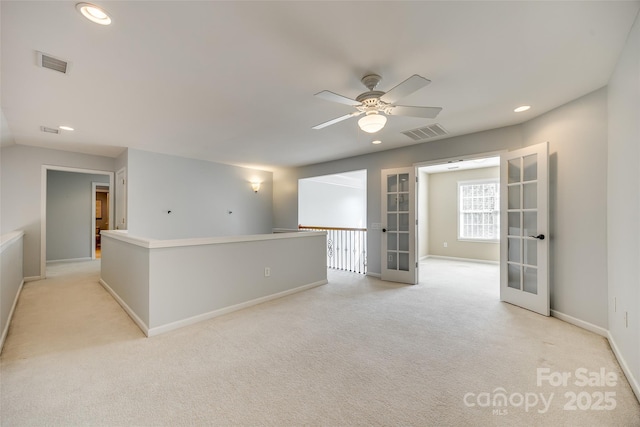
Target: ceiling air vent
[
  {"x": 47, "y": 129},
  {"x": 426, "y": 132},
  {"x": 55, "y": 64}
]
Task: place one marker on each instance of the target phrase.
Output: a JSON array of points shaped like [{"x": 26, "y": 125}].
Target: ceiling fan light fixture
[
  {"x": 94, "y": 13},
  {"x": 372, "y": 122}
]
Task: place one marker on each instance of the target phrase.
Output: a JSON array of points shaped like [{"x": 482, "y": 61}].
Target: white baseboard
[
  {"x": 33, "y": 278},
  {"x": 633, "y": 381},
  {"x": 452, "y": 258},
  {"x": 143, "y": 327},
  {"x": 376, "y": 275},
  {"x": 149, "y": 332},
  {"x": 580, "y": 323},
  {"x": 55, "y": 261},
  {"x": 210, "y": 315},
  {"x": 13, "y": 307}
]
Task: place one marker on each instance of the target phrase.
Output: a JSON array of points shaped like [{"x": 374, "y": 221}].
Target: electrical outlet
[
  {"x": 445, "y": 244},
  {"x": 267, "y": 271}
]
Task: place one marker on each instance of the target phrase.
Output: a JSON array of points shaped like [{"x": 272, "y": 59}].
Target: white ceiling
[{"x": 234, "y": 82}]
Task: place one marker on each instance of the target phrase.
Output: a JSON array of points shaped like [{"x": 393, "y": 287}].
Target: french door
[
  {"x": 524, "y": 239},
  {"x": 398, "y": 190}
]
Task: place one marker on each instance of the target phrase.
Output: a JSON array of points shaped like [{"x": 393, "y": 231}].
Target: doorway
[
  {"x": 74, "y": 239},
  {"x": 337, "y": 204},
  {"x": 458, "y": 211},
  {"x": 100, "y": 215}
]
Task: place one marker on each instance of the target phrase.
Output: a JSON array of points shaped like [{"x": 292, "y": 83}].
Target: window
[{"x": 479, "y": 210}]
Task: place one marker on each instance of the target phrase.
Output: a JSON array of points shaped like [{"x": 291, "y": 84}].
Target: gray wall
[
  {"x": 577, "y": 135},
  {"x": 199, "y": 195},
  {"x": 20, "y": 180},
  {"x": 577, "y": 138},
  {"x": 168, "y": 287},
  {"x": 623, "y": 201},
  {"x": 11, "y": 278},
  {"x": 70, "y": 233},
  {"x": 443, "y": 216}
]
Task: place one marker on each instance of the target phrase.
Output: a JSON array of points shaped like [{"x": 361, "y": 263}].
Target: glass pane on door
[
  {"x": 514, "y": 171},
  {"x": 530, "y": 167},
  {"x": 524, "y": 209},
  {"x": 530, "y": 283},
  {"x": 398, "y": 242},
  {"x": 404, "y": 222},
  {"x": 514, "y": 276},
  {"x": 392, "y": 261},
  {"x": 403, "y": 261},
  {"x": 392, "y": 241},
  {"x": 392, "y": 202},
  {"x": 392, "y": 183}
]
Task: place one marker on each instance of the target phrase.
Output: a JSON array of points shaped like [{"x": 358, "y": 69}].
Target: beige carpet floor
[{"x": 357, "y": 351}]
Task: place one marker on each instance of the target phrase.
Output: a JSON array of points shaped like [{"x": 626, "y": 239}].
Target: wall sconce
[{"x": 255, "y": 185}]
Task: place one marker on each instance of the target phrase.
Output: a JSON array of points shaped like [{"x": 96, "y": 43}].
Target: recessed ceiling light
[
  {"x": 66, "y": 128},
  {"x": 522, "y": 108},
  {"x": 93, "y": 13},
  {"x": 377, "y": 141}
]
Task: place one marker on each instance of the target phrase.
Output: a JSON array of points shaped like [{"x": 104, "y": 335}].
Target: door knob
[
  {"x": 384, "y": 230},
  {"x": 539, "y": 236}
]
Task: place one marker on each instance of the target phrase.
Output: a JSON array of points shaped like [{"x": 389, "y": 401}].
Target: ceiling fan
[{"x": 376, "y": 104}]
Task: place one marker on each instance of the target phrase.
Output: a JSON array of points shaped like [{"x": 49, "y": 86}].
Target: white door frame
[
  {"x": 444, "y": 161},
  {"x": 43, "y": 206},
  {"x": 121, "y": 200},
  {"x": 94, "y": 191}
]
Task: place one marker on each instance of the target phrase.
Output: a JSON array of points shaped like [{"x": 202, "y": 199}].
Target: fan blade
[
  {"x": 334, "y": 97},
  {"x": 405, "y": 88},
  {"x": 339, "y": 119},
  {"x": 423, "y": 112}
]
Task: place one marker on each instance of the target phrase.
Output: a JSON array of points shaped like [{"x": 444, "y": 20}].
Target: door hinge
[
  {"x": 416, "y": 265},
  {"x": 416, "y": 179}
]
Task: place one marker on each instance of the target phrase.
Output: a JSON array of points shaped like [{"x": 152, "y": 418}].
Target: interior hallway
[{"x": 357, "y": 351}]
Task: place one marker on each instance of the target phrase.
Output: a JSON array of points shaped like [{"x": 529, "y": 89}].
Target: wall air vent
[
  {"x": 426, "y": 132},
  {"x": 47, "y": 61},
  {"x": 47, "y": 129}
]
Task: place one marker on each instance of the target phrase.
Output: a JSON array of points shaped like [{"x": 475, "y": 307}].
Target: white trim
[
  {"x": 124, "y": 236},
  {"x": 285, "y": 230},
  {"x": 458, "y": 158},
  {"x": 122, "y": 204},
  {"x": 143, "y": 327},
  {"x": 8, "y": 239},
  {"x": 55, "y": 261},
  {"x": 32, "y": 278},
  {"x": 580, "y": 323},
  {"x": 43, "y": 205},
  {"x": 149, "y": 332},
  {"x": 376, "y": 275},
  {"x": 13, "y": 307},
  {"x": 480, "y": 261},
  {"x": 633, "y": 381},
  {"x": 222, "y": 311}
]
